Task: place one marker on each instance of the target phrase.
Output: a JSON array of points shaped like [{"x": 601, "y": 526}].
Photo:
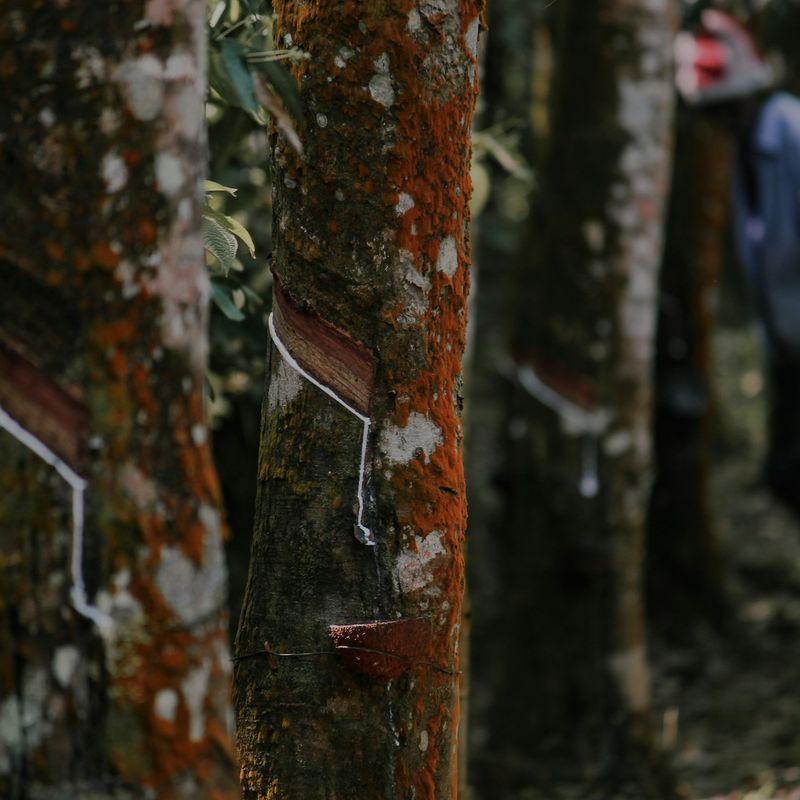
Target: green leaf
[
  {"x": 219, "y": 241},
  {"x": 213, "y": 186},
  {"x": 251, "y": 295},
  {"x": 216, "y": 13},
  {"x": 232, "y": 226},
  {"x": 232, "y": 54},
  {"x": 284, "y": 84},
  {"x": 224, "y": 302},
  {"x": 219, "y": 81}
]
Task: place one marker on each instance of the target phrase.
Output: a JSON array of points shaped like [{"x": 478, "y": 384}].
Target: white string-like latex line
[
  {"x": 78, "y": 485},
  {"x": 290, "y": 360},
  {"x": 574, "y": 418}
]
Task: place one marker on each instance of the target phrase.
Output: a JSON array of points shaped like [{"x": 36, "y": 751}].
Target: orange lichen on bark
[
  {"x": 104, "y": 256},
  {"x": 161, "y": 662},
  {"x": 430, "y": 163}
]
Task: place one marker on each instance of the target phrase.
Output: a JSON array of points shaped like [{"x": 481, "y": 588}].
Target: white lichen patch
[
  {"x": 183, "y": 290},
  {"x": 594, "y": 234},
  {"x": 91, "y": 68},
  {"x": 420, "y": 436},
  {"x": 342, "y": 57},
  {"x": 447, "y": 260},
  {"x": 284, "y": 386},
  {"x": 381, "y": 64},
  {"x": 47, "y": 117},
  {"x": 114, "y": 172},
  {"x": 381, "y": 90},
  {"x": 193, "y": 592},
  {"x": 158, "y": 12},
  {"x": 165, "y": 704},
  {"x": 405, "y": 202},
  {"x": 223, "y": 657},
  {"x": 617, "y": 443},
  {"x": 186, "y": 107},
  {"x": 128, "y": 276},
  {"x": 423, "y": 741},
  {"x": 380, "y": 86},
  {"x": 65, "y": 661},
  {"x": 119, "y": 605},
  {"x": 170, "y": 174},
  {"x": 199, "y": 435},
  {"x": 180, "y": 67},
  {"x": 444, "y": 13},
  {"x": 33, "y": 717},
  {"x": 141, "y": 489},
  {"x": 413, "y": 288},
  {"x": 471, "y": 37},
  {"x": 644, "y": 113},
  {"x": 195, "y": 688},
  {"x": 414, "y": 21},
  {"x": 413, "y": 571},
  {"x": 143, "y": 86}
]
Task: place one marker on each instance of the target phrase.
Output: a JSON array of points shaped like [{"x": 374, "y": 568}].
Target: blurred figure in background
[{"x": 718, "y": 67}]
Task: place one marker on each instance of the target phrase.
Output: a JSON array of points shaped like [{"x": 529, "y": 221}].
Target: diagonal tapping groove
[{"x": 364, "y": 534}]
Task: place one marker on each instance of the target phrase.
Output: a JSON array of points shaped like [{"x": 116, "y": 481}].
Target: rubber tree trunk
[
  {"x": 113, "y": 654},
  {"x": 506, "y": 88},
  {"x": 572, "y": 689},
  {"x": 684, "y": 567},
  {"x": 370, "y": 260}
]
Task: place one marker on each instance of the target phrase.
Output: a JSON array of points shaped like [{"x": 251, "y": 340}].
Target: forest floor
[{"x": 731, "y": 699}]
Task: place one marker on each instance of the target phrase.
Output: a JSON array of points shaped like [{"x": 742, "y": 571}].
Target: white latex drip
[
  {"x": 80, "y": 600},
  {"x": 589, "y": 484},
  {"x": 576, "y": 420},
  {"x": 365, "y": 536}
]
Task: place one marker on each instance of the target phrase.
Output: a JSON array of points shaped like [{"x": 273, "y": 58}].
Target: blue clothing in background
[{"x": 767, "y": 221}]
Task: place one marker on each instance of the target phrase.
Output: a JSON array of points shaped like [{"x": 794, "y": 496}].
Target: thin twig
[{"x": 357, "y": 648}]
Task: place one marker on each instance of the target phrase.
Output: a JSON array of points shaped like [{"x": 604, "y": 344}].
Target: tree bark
[
  {"x": 370, "y": 261},
  {"x": 113, "y": 653},
  {"x": 572, "y": 689},
  {"x": 684, "y": 570}
]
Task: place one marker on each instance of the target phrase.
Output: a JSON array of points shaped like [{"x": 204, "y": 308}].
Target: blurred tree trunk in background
[
  {"x": 370, "y": 260},
  {"x": 684, "y": 570},
  {"x": 114, "y": 662},
  {"x": 506, "y": 89},
  {"x": 571, "y": 685}
]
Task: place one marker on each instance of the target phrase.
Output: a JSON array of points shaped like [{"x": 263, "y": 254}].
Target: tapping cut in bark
[{"x": 370, "y": 243}]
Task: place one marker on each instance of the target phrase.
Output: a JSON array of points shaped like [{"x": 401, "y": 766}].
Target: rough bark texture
[
  {"x": 371, "y": 247},
  {"x": 684, "y": 567},
  {"x": 102, "y": 351},
  {"x": 571, "y": 686}
]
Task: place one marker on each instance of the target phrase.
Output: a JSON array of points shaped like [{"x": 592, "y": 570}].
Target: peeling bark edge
[{"x": 336, "y": 359}]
